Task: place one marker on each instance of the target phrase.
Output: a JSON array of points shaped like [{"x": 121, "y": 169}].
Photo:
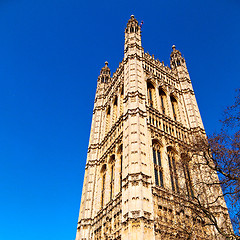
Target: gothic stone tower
[{"x": 142, "y": 116}]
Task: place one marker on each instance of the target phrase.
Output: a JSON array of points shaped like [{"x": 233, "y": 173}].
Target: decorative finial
[
  {"x": 106, "y": 63},
  {"x": 173, "y": 47}
]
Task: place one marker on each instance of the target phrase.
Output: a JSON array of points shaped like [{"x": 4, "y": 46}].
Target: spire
[
  {"x": 104, "y": 74},
  {"x": 176, "y": 58}
]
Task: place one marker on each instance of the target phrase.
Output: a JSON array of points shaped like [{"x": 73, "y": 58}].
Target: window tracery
[{"x": 158, "y": 170}]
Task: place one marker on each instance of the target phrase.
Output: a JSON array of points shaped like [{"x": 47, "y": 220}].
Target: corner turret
[
  {"x": 105, "y": 74},
  {"x": 176, "y": 58},
  {"x": 132, "y": 25},
  {"x": 133, "y": 42}
]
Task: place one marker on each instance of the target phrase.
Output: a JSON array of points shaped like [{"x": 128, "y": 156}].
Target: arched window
[
  {"x": 112, "y": 167},
  {"x": 185, "y": 163},
  {"x": 158, "y": 170},
  {"x": 102, "y": 79},
  {"x": 173, "y": 170},
  {"x": 103, "y": 174},
  {"x": 174, "y": 107},
  {"x": 163, "y": 101},
  {"x": 151, "y": 94}
]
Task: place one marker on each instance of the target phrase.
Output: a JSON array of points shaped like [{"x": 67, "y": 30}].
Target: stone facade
[{"x": 133, "y": 185}]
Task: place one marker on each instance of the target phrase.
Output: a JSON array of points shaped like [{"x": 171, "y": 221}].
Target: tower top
[
  {"x": 105, "y": 74},
  {"x": 105, "y": 69},
  {"x": 175, "y": 51},
  {"x": 176, "y": 58},
  {"x": 132, "y": 25}
]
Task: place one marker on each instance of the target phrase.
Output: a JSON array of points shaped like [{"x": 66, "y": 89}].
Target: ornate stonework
[{"x": 143, "y": 115}]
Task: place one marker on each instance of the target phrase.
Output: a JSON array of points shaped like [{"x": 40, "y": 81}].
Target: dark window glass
[
  {"x": 121, "y": 175},
  {"x": 156, "y": 176},
  {"x": 175, "y": 173},
  {"x": 173, "y": 108},
  {"x": 161, "y": 178},
  {"x": 150, "y": 94},
  {"x": 162, "y": 102},
  {"x": 159, "y": 158},
  {"x": 157, "y": 167},
  {"x": 154, "y": 156},
  {"x": 189, "y": 181},
  {"x": 103, "y": 188},
  {"x": 111, "y": 190},
  {"x": 171, "y": 173}
]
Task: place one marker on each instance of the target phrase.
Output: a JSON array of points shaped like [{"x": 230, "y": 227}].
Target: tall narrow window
[
  {"x": 151, "y": 91},
  {"x": 173, "y": 171},
  {"x": 112, "y": 182},
  {"x": 103, "y": 172},
  {"x": 158, "y": 171},
  {"x": 156, "y": 176},
  {"x": 162, "y": 96},
  {"x": 188, "y": 181},
  {"x": 112, "y": 162},
  {"x": 174, "y": 107},
  {"x": 108, "y": 119},
  {"x": 121, "y": 173},
  {"x": 121, "y": 101},
  {"x": 119, "y": 163},
  {"x": 115, "y": 103}
]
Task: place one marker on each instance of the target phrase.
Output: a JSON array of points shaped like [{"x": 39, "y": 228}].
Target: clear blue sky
[{"x": 51, "y": 52}]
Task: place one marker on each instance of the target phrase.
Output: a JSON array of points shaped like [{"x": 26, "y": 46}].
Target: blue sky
[{"x": 51, "y": 52}]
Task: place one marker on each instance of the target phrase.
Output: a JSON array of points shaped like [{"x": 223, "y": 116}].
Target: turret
[
  {"x": 178, "y": 64},
  {"x": 103, "y": 80},
  {"x": 176, "y": 58},
  {"x": 132, "y": 26},
  {"x": 104, "y": 76},
  {"x": 132, "y": 38}
]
